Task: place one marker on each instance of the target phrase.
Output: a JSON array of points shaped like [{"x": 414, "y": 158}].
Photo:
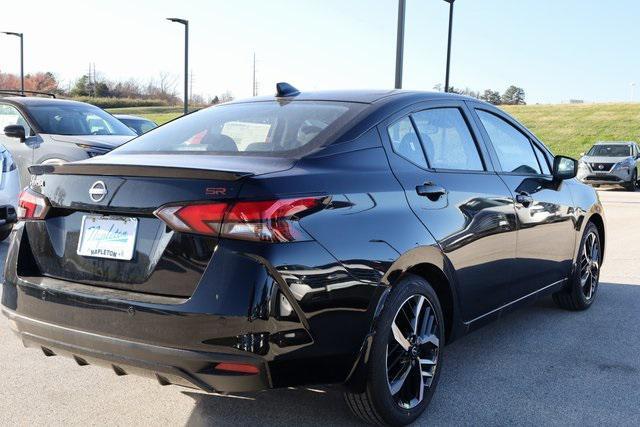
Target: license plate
[{"x": 107, "y": 237}]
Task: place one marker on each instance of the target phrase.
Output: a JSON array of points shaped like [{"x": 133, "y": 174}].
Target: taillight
[
  {"x": 265, "y": 221},
  {"x": 204, "y": 218},
  {"x": 32, "y": 205}
]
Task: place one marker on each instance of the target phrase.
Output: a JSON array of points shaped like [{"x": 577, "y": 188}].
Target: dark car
[
  {"x": 330, "y": 237},
  {"x": 137, "y": 124},
  {"x": 37, "y": 130}
]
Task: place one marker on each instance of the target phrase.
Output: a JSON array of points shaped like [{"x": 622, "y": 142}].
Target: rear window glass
[
  {"x": 278, "y": 128},
  {"x": 76, "y": 119}
]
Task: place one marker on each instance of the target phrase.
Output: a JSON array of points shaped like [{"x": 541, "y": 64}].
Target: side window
[
  {"x": 405, "y": 142},
  {"x": 9, "y": 115},
  {"x": 542, "y": 159},
  {"x": 447, "y": 139},
  {"x": 513, "y": 148}
]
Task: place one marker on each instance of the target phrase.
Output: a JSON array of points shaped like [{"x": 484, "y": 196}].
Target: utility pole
[
  {"x": 89, "y": 85},
  {"x": 255, "y": 88},
  {"x": 400, "y": 43},
  {"x": 446, "y": 80},
  {"x": 21, "y": 35},
  {"x": 191, "y": 87},
  {"x": 186, "y": 60}
]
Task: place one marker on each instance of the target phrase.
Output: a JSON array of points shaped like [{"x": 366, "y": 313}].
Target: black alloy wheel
[{"x": 406, "y": 356}]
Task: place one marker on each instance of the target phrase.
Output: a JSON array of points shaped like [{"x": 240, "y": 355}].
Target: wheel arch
[
  {"x": 429, "y": 263},
  {"x": 598, "y": 221},
  {"x": 441, "y": 284}
]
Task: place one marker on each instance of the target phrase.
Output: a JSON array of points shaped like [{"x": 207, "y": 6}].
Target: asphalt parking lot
[{"x": 537, "y": 366}]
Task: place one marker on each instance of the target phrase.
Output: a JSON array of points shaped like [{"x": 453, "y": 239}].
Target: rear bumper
[
  {"x": 232, "y": 317},
  {"x": 167, "y": 365}
]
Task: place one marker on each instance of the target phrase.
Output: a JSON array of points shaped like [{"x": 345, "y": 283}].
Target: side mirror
[
  {"x": 564, "y": 168},
  {"x": 15, "y": 131}
]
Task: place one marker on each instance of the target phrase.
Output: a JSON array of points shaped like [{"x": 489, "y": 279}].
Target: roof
[
  {"x": 35, "y": 100},
  {"x": 614, "y": 143},
  {"x": 361, "y": 96}
]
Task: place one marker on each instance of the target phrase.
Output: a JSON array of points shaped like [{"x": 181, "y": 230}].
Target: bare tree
[
  {"x": 163, "y": 88},
  {"x": 227, "y": 96}
]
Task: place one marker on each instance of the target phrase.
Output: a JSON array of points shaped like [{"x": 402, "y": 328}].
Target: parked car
[
  {"x": 611, "y": 163},
  {"x": 330, "y": 237},
  {"x": 9, "y": 189},
  {"x": 137, "y": 124},
  {"x": 40, "y": 130}
]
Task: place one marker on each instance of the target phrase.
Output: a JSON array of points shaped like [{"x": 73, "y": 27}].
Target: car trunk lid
[{"x": 164, "y": 262}]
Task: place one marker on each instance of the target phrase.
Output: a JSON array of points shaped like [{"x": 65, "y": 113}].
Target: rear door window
[
  {"x": 405, "y": 142},
  {"x": 447, "y": 140}
]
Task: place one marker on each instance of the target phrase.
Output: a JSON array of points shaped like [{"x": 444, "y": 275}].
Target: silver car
[
  {"x": 38, "y": 130},
  {"x": 611, "y": 163}
]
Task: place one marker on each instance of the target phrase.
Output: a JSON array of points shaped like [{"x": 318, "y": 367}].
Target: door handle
[
  {"x": 524, "y": 199},
  {"x": 431, "y": 191}
]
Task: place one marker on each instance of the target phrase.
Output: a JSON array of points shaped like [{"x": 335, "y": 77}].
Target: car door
[
  {"x": 544, "y": 206},
  {"x": 22, "y": 152},
  {"x": 450, "y": 185}
]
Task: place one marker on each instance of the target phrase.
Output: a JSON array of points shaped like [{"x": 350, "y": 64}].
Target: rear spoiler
[{"x": 135, "y": 170}]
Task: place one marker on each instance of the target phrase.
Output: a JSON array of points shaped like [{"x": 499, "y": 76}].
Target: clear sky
[{"x": 555, "y": 49}]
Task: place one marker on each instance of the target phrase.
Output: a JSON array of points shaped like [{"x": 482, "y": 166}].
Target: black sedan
[
  {"x": 137, "y": 124},
  {"x": 331, "y": 237}
]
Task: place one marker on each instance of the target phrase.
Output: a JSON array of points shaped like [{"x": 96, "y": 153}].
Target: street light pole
[
  {"x": 400, "y": 43},
  {"x": 446, "y": 80},
  {"x": 21, "y": 35},
  {"x": 186, "y": 60}
]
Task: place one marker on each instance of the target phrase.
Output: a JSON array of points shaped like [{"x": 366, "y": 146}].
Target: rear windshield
[
  {"x": 138, "y": 126},
  {"x": 278, "y": 128},
  {"x": 76, "y": 119},
  {"x": 612, "y": 150}
]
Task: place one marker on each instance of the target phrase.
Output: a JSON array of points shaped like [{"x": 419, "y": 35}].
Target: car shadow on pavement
[
  {"x": 537, "y": 365},
  {"x": 291, "y": 406}
]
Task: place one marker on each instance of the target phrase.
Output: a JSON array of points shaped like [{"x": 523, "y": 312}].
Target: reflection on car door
[
  {"x": 544, "y": 207},
  {"x": 450, "y": 185}
]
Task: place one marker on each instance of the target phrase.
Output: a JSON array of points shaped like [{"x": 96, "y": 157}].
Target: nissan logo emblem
[
  {"x": 98, "y": 191},
  {"x": 600, "y": 167}
]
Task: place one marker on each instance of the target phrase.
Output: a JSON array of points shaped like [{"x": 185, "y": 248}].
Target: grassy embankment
[
  {"x": 572, "y": 129},
  {"x": 566, "y": 129}
]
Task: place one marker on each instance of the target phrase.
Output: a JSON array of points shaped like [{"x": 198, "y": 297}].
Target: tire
[
  {"x": 4, "y": 234},
  {"x": 583, "y": 286},
  {"x": 631, "y": 186},
  {"x": 419, "y": 365}
]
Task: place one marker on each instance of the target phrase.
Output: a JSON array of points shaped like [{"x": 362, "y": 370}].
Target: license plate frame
[{"x": 116, "y": 241}]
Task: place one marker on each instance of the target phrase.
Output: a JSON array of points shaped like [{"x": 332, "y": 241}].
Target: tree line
[
  {"x": 161, "y": 88},
  {"x": 513, "y": 95}
]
